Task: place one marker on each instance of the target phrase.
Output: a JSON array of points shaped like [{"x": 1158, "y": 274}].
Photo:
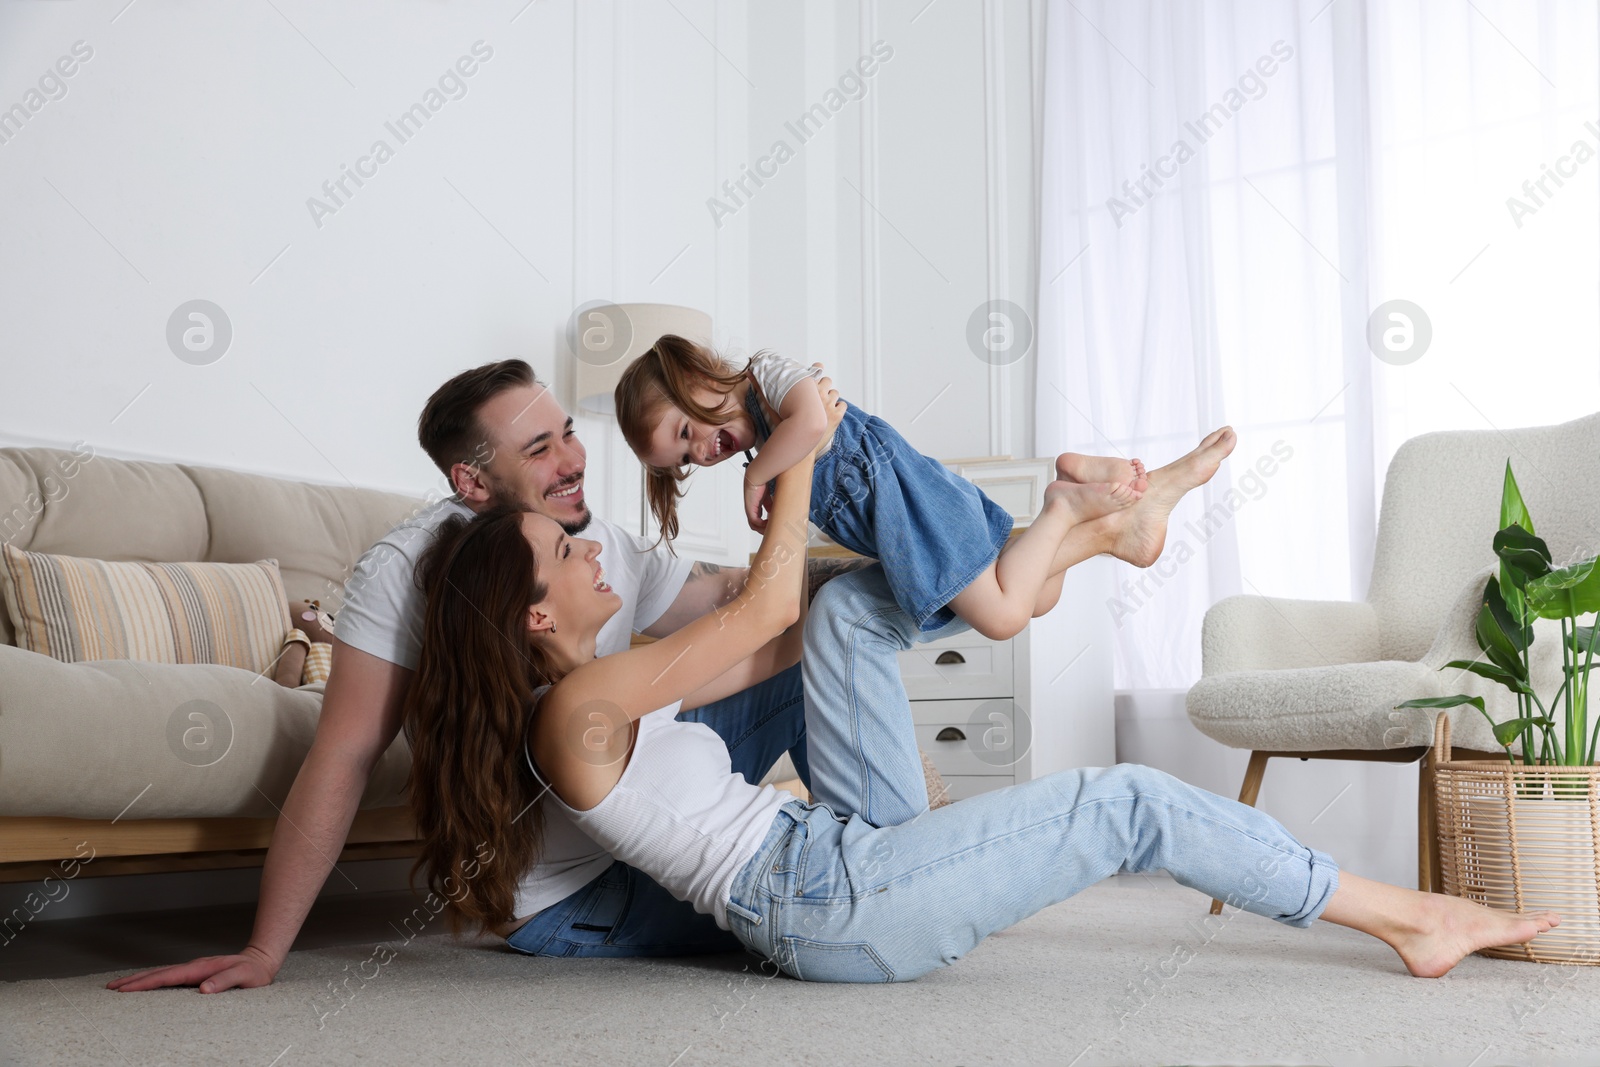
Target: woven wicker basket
[{"x": 1524, "y": 839}]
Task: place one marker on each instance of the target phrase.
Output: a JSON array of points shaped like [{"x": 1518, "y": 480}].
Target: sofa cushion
[
  {"x": 84, "y": 740},
  {"x": 75, "y": 503},
  {"x": 315, "y": 532},
  {"x": 86, "y": 609}
]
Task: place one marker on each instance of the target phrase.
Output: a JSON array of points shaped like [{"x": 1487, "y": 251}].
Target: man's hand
[
  {"x": 362, "y": 710},
  {"x": 248, "y": 970},
  {"x": 834, "y": 406}
]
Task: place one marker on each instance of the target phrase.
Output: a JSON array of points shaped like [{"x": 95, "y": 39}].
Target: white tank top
[{"x": 679, "y": 813}]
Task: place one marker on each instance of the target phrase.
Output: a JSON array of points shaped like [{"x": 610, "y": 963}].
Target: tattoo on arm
[
  {"x": 722, "y": 583},
  {"x": 819, "y": 571}
]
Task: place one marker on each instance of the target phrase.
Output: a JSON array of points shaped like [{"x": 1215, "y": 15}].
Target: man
[{"x": 499, "y": 435}]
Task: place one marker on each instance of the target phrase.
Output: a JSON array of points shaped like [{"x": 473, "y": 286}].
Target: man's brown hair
[{"x": 449, "y": 429}]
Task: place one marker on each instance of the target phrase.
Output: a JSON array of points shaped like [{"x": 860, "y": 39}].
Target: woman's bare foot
[
  {"x": 1138, "y": 534},
  {"x": 1453, "y": 928},
  {"x": 1431, "y": 932},
  {"x": 1084, "y": 501},
  {"x": 1077, "y": 467}
]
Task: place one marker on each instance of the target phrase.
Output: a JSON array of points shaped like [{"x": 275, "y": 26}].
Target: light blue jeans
[{"x": 867, "y": 885}]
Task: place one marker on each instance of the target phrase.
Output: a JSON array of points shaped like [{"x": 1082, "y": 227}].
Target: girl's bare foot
[
  {"x": 1084, "y": 501},
  {"x": 1140, "y": 532},
  {"x": 1077, "y": 467},
  {"x": 1453, "y": 928}
]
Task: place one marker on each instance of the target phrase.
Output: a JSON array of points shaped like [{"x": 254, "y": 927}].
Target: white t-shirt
[
  {"x": 382, "y": 616},
  {"x": 776, "y": 375}
]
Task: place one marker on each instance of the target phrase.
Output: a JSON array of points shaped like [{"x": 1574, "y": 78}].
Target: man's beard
[{"x": 511, "y": 498}]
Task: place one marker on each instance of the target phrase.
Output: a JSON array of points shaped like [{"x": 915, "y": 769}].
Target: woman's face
[
  {"x": 682, "y": 441},
  {"x": 576, "y": 593}
]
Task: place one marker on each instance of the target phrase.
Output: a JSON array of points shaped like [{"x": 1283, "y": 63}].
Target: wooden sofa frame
[{"x": 35, "y": 847}]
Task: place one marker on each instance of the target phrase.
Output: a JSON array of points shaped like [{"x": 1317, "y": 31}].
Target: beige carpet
[{"x": 1058, "y": 989}]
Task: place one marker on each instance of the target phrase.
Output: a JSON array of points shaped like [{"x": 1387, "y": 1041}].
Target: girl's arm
[
  {"x": 802, "y": 423},
  {"x": 634, "y": 683}
]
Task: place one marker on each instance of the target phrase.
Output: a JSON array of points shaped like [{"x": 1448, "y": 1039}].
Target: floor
[{"x": 1128, "y": 972}]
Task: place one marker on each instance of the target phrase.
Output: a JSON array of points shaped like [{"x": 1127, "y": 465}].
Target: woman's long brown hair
[
  {"x": 669, "y": 374},
  {"x": 466, "y": 714}
]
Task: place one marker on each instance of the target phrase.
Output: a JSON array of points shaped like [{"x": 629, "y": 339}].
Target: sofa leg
[{"x": 1247, "y": 795}]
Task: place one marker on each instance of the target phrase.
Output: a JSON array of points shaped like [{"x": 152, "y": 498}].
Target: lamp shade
[{"x": 606, "y": 338}]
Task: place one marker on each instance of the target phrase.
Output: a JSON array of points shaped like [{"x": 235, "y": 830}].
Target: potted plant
[{"x": 1524, "y": 835}]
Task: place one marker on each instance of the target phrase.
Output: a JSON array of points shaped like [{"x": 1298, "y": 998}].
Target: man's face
[{"x": 537, "y": 460}]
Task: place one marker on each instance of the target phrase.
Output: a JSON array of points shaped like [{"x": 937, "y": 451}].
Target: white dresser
[{"x": 992, "y": 713}]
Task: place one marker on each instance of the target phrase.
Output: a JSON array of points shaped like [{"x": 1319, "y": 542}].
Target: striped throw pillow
[
  {"x": 319, "y": 663},
  {"x": 71, "y": 609}
]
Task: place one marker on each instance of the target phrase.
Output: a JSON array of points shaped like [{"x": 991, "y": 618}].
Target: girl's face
[{"x": 680, "y": 441}]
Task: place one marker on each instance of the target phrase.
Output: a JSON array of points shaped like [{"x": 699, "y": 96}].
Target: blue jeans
[
  {"x": 867, "y": 885},
  {"x": 933, "y": 530},
  {"x": 624, "y": 912}
]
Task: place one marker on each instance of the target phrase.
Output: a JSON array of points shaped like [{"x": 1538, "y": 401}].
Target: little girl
[{"x": 944, "y": 545}]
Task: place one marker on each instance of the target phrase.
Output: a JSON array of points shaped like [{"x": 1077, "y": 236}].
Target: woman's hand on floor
[{"x": 213, "y": 974}]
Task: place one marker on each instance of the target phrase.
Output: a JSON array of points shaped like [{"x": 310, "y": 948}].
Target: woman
[{"x": 510, "y": 709}]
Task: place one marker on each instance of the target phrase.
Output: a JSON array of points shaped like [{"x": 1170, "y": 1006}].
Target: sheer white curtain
[{"x": 1229, "y": 190}]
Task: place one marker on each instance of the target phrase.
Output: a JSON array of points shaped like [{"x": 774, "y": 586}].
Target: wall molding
[
  {"x": 996, "y": 218},
  {"x": 871, "y": 260},
  {"x": 721, "y": 535}
]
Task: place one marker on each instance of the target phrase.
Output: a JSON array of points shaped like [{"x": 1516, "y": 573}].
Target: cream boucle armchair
[{"x": 1320, "y": 679}]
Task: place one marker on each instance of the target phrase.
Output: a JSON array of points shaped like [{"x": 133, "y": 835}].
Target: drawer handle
[
  {"x": 947, "y": 658},
  {"x": 950, "y": 733}
]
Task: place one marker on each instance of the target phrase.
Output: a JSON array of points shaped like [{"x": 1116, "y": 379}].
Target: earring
[{"x": 552, "y": 628}]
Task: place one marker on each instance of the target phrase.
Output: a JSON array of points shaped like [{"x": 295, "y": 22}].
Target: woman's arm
[
  {"x": 641, "y": 680},
  {"x": 777, "y": 655}
]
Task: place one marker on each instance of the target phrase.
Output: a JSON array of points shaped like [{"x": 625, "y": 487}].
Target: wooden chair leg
[
  {"x": 1247, "y": 795},
  {"x": 1429, "y": 878}
]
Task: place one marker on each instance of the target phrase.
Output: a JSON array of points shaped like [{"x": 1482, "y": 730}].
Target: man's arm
[
  {"x": 711, "y": 585},
  {"x": 361, "y": 712},
  {"x": 820, "y": 571}
]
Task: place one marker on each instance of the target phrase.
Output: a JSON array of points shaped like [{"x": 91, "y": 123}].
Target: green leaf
[
  {"x": 1508, "y": 731},
  {"x": 1524, "y": 555},
  {"x": 1444, "y": 702},
  {"x": 1492, "y": 672},
  {"x": 1516, "y": 604},
  {"x": 1496, "y": 645},
  {"x": 1512, "y": 509},
  {"x": 1584, "y": 639},
  {"x": 1567, "y": 592},
  {"x": 1517, "y": 633}
]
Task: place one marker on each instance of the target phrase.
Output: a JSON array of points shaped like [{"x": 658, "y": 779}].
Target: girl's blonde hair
[{"x": 668, "y": 375}]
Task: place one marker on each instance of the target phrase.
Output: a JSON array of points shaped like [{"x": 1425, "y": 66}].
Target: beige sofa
[{"x": 85, "y": 757}]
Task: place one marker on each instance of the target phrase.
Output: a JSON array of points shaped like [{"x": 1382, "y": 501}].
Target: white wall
[
  {"x": 577, "y": 166},
  {"x": 910, "y": 207},
  {"x": 179, "y": 163}
]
